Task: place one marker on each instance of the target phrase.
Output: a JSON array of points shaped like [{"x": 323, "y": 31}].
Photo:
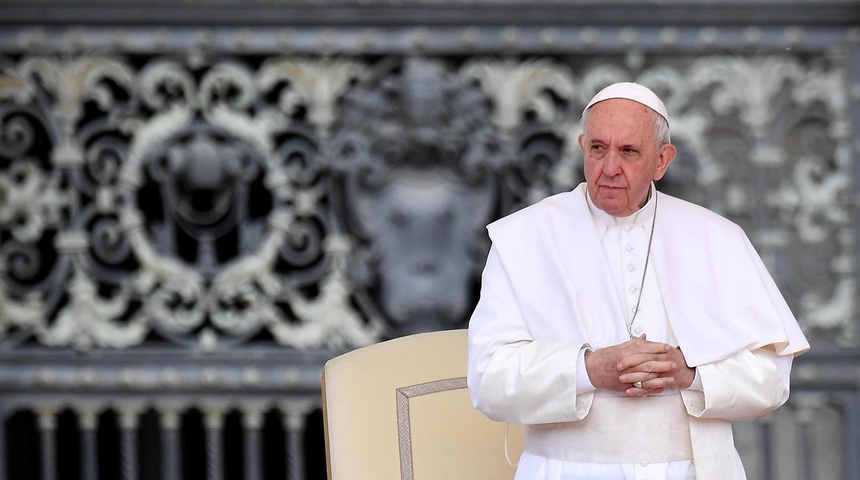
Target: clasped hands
[{"x": 651, "y": 366}]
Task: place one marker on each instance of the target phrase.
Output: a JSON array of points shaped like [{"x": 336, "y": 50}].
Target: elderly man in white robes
[{"x": 623, "y": 327}]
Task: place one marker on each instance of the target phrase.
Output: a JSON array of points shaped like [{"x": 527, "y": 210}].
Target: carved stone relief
[{"x": 419, "y": 164}]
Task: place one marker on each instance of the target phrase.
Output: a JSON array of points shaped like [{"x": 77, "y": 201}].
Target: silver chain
[{"x": 644, "y": 271}]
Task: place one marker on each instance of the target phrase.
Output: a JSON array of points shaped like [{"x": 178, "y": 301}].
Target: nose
[{"x": 611, "y": 164}]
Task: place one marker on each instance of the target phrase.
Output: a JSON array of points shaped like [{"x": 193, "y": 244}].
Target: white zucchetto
[{"x": 631, "y": 91}]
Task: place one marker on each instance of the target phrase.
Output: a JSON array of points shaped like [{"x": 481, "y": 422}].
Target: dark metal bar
[
  {"x": 48, "y": 431},
  {"x": 214, "y": 423},
  {"x": 129, "y": 420},
  {"x": 170, "y": 453},
  {"x": 252, "y": 421}
]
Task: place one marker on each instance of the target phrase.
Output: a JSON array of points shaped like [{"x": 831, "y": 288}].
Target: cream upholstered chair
[{"x": 400, "y": 410}]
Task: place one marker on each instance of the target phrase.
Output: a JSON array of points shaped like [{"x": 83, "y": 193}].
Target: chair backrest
[{"x": 400, "y": 409}]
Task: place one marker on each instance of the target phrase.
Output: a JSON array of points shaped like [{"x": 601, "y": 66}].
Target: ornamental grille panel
[
  {"x": 194, "y": 218},
  {"x": 206, "y": 204}
]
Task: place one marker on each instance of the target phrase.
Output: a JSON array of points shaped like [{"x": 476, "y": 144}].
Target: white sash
[{"x": 618, "y": 430}]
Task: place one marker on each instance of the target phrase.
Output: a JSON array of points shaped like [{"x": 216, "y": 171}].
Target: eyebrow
[{"x": 630, "y": 146}]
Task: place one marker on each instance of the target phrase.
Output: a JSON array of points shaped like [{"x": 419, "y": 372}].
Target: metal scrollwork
[{"x": 334, "y": 202}]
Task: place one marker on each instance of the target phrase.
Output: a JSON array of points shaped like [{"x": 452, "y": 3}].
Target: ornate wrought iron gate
[{"x": 201, "y": 204}]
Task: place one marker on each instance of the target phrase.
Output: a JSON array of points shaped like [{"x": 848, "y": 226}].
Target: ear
[
  {"x": 579, "y": 140},
  {"x": 666, "y": 155}
]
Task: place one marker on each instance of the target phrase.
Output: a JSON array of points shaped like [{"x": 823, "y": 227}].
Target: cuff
[
  {"x": 697, "y": 383},
  {"x": 583, "y": 383}
]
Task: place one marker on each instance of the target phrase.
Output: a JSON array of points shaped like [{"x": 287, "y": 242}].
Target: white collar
[{"x": 639, "y": 217}]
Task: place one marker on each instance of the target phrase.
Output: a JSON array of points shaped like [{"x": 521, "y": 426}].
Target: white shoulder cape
[{"x": 720, "y": 298}]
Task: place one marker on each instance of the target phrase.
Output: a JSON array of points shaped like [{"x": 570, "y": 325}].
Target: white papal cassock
[{"x": 563, "y": 276}]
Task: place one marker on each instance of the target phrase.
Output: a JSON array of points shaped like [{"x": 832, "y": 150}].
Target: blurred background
[{"x": 203, "y": 201}]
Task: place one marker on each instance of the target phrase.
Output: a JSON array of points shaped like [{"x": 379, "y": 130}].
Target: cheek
[
  {"x": 591, "y": 168},
  {"x": 638, "y": 177}
]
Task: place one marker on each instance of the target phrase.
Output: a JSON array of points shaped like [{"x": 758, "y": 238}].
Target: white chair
[{"x": 400, "y": 409}]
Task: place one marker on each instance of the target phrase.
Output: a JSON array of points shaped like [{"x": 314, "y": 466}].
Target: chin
[{"x": 611, "y": 208}]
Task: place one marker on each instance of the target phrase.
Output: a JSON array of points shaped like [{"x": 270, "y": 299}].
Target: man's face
[{"x": 621, "y": 155}]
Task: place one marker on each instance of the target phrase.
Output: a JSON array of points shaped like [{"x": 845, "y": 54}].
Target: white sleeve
[
  {"x": 511, "y": 376},
  {"x": 747, "y": 385}
]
